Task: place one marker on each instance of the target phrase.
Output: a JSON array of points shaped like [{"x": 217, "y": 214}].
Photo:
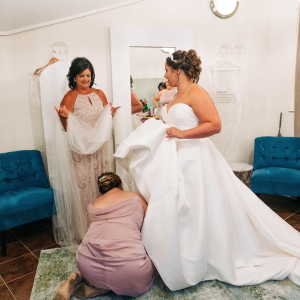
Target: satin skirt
[{"x": 202, "y": 222}]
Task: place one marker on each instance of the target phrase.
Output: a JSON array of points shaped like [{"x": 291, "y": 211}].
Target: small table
[
  {"x": 147, "y": 118},
  {"x": 242, "y": 171}
]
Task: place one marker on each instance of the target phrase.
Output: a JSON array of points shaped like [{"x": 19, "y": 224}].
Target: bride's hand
[
  {"x": 174, "y": 132},
  {"x": 62, "y": 111}
]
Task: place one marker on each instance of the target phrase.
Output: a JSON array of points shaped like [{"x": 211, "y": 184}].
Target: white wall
[
  {"x": 8, "y": 140},
  {"x": 147, "y": 62},
  {"x": 267, "y": 29}
]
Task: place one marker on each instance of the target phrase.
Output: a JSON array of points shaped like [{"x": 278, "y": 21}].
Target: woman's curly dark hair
[
  {"x": 108, "y": 181},
  {"x": 131, "y": 82},
  {"x": 188, "y": 61},
  {"x": 78, "y": 65},
  {"x": 163, "y": 84}
]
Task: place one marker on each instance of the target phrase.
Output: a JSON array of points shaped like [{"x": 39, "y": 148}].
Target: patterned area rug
[{"x": 56, "y": 264}]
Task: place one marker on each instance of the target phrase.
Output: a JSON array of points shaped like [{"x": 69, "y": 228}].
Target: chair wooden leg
[
  {"x": 257, "y": 194},
  {"x": 3, "y": 242}
]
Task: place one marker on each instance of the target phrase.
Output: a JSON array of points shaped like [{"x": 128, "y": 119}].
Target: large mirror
[
  {"x": 121, "y": 41},
  {"x": 124, "y": 40}
]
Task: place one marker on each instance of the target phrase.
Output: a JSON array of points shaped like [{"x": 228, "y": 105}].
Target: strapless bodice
[{"x": 180, "y": 115}]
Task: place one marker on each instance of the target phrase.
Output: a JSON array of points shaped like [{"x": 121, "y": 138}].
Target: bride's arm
[{"x": 206, "y": 112}]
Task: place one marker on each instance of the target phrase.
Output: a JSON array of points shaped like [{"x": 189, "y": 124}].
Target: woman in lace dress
[{"x": 87, "y": 104}]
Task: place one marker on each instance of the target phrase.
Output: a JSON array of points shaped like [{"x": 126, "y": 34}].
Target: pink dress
[
  {"x": 112, "y": 255},
  {"x": 89, "y": 167},
  {"x": 167, "y": 97}
]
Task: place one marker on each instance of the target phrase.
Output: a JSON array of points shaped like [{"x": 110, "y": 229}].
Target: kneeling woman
[{"x": 112, "y": 255}]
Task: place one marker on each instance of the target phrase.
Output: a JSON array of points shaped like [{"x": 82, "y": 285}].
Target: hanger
[
  {"x": 223, "y": 63},
  {"x": 40, "y": 70}
]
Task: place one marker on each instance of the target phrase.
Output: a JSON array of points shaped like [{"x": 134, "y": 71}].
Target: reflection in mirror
[{"x": 147, "y": 67}]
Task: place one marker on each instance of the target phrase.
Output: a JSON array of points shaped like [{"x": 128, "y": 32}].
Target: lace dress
[{"x": 88, "y": 167}]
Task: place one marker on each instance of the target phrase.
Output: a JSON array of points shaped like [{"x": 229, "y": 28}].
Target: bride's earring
[{"x": 74, "y": 79}]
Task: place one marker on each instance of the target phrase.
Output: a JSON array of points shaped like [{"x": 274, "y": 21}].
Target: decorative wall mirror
[
  {"x": 224, "y": 8},
  {"x": 121, "y": 41}
]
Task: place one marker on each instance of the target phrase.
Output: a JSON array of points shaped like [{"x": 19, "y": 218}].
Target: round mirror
[{"x": 224, "y": 8}]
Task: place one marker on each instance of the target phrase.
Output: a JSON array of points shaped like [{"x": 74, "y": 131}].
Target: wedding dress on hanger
[
  {"x": 202, "y": 222},
  {"x": 223, "y": 81}
]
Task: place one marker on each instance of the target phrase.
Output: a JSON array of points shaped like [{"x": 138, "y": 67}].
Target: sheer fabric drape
[
  {"x": 71, "y": 221},
  {"x": 35, "y": 105}
]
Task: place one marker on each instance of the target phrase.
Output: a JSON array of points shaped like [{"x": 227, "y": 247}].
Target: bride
[{"x": 202, "y": 222}]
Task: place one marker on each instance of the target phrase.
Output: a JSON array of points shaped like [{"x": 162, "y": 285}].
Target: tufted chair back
[
  {"x": 21, "y": 169},
  {"x": 283, "y": 152}
]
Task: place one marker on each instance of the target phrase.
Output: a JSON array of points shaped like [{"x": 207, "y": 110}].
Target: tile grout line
[
  {"x": 29, "y": 250},
  {"x": 21, "y": 276},
  {"x": 297, "y": 211},
  {"x": 23, "y": 254},
  {"x": 15, "y": 257},
  {"x": 31, "y": 237},
  {"x": 289, "y": 217},
  {"x": 9, "y": 290},
  {"x": 14, "y": 235},
  {"x": 26, "y": 248}
]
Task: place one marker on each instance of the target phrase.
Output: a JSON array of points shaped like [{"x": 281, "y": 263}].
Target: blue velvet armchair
[
  {"x": 25, "y": 193},
  {"x": 276, "y": 166}
]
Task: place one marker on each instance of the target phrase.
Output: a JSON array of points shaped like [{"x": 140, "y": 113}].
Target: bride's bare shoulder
[
  {"x": 197, "y": 92},
  {"x": 197, "y": 89}
]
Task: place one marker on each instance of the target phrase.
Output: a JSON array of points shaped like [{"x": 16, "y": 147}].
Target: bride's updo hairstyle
[
  {"x": 78, "y": 65},
  {"x": 188, "y": 61},
  {"x": 108, "y": 181}
]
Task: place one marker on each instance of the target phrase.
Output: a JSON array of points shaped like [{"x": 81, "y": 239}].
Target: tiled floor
[{"x": 17, "y": 269}]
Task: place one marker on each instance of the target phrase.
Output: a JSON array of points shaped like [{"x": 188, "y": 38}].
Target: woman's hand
[
  {"x": 174, "y": 132},
  {"x": 113, "y": 109},
  {"x": 62, "y": 112}
]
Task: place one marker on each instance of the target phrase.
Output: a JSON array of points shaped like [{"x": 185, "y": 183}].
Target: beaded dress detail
[{"x": 88, "y": 167}]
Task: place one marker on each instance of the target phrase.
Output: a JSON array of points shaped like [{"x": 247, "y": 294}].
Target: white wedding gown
[{"x": 202, "y": 222}]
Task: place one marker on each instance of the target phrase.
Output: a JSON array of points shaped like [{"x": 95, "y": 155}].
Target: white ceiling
[{"x": 25, "y": 14}]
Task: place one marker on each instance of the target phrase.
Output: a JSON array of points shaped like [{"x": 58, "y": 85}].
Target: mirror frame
[
  {"x": 215, "y": 11},
  {"x": 122, "y": 38}
]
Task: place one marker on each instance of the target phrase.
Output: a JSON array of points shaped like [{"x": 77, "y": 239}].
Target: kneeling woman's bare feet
[
  {"x": 68, "y": 287},
  {"x": 86, "y": 291}
]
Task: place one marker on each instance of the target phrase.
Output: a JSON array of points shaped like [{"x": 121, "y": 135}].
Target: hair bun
[
  {"x": 188, "y": 61},
  {"x": 108, "y": 181}
]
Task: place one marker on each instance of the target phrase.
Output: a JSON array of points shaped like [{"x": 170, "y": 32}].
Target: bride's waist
[{"x": 183, "y": 127}]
